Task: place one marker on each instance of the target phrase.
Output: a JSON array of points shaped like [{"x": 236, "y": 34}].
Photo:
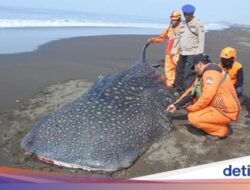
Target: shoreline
[
  {"x": 22, "y": 75},
  {"x": 25, "y": 74},
  {"x": 28, "y": 39},
  {"x": 24, "y": 39}
]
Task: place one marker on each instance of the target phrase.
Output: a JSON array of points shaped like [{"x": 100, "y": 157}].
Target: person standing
[
  {"x": 189, "y": 41},
  {"x": 169, "y": 33}
]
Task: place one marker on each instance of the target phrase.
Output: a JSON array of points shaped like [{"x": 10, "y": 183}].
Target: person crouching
[{"x": 212, "y": 102}]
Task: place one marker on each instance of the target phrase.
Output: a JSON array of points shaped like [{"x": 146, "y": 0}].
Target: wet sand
[
  {"x": 24, "y": 75},
  {"x": 33, "y": 84}
]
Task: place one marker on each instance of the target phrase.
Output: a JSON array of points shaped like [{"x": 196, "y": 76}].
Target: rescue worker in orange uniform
[
  {"x": 233, "y": 68},
  {"x": 169, "y": 33},
  {"x": 216, "y": 103}
]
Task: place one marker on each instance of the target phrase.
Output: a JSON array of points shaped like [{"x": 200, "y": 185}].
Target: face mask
[{"x": 227, "y": 63}]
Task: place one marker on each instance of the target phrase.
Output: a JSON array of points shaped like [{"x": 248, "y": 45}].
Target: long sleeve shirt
[
  {"x": 217, "y": 91},
  {"x": 190, "y": 38},
  {"x": 168, "y": 33}
]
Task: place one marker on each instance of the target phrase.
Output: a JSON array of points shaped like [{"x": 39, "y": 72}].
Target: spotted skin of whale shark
[{"x": 107, "y": 128}]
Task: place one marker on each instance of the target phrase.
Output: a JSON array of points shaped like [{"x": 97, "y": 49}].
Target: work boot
[{"x": 214, "y": 138}]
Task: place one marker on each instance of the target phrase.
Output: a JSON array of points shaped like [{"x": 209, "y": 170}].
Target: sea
[{"x": 25, "y": 29}]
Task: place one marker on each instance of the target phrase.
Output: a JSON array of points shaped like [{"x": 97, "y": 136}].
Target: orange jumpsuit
[
  {"x": 217, "y": 105},
  {"x": 232, "y": 72},
  {"x": 170, "y": 61}
]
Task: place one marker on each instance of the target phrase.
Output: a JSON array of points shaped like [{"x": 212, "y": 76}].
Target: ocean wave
[
  {"x": 33, "y": 23},
  {"x": 17, "y": 23},
  {"x": 215, "y": 26}
]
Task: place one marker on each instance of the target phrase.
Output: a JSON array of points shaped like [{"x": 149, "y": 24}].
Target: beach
[{"x": 38, "y": 82}]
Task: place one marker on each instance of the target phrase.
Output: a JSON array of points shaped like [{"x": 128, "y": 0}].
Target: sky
[{"x": 206, "y": 10}]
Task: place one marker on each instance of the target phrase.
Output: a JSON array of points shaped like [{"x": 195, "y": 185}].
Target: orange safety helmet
[
  {"x": 175, "y": 15},
  {"x": 228, "y": 52}
]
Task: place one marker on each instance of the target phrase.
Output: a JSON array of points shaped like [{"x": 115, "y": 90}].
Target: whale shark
[{"x": 110, "y": 126}]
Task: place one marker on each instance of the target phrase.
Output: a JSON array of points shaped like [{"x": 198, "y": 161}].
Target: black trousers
[{"x": 185, "y": 73}]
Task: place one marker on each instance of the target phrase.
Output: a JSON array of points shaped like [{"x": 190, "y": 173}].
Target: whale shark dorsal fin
[{"x": 143, "y": 53}]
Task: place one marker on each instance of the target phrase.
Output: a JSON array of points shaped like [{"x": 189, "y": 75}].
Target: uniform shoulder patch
[{"x": 209, "y": 81}]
